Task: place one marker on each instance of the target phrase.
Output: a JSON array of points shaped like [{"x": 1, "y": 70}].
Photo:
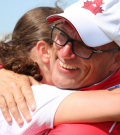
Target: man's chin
[{"x": 64, "y": 85}]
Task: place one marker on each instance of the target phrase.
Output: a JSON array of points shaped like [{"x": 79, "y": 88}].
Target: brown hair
[{"x": 31, "y": 28}]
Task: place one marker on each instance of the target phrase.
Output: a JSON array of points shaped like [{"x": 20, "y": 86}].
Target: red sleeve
[
  {"x": 1, "y": 66},
  {"x": 106, "y": 128}
]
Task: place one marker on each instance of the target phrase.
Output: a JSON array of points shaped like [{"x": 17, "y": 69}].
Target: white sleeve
[{"x": 48, "y": 98}]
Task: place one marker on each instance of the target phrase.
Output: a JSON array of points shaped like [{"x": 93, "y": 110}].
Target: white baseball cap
[{"x": 96, "y": 21}]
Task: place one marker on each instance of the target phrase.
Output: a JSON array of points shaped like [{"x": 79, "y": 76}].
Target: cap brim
[{"x": 91, "y": 35}]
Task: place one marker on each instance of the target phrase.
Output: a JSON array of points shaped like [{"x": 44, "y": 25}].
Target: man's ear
[
  {"x": 116, "y": 63},
  {"x": 44, "y": 51}
]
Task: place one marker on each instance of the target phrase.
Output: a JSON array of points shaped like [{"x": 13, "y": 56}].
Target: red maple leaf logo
[{"x": 94, "y": 6}]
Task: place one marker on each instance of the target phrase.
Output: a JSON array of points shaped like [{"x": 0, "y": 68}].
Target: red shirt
[{"x": 104, "y": 128}]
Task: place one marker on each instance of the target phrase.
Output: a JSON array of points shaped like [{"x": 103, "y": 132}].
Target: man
[
  {"x": 88, "y": 57},
  {"x": 87, "y": 44},
  {"x": 90, "y": 48}
]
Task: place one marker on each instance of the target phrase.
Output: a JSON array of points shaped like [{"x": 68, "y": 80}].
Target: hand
[{"x": 15, "y": 91}]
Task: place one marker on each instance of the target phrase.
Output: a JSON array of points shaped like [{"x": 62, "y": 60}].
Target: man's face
[{"x": 71, "y": 71}]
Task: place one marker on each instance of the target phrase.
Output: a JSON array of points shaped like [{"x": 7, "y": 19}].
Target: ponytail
[{"x": 15, "y": 58}]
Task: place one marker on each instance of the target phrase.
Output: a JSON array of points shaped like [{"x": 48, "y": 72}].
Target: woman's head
[
  {"x": 31, "y": 37},
  {"x": 33, "y": 27}
]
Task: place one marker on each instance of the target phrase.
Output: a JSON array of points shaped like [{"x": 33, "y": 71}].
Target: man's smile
[{"x": 67, "y": 66}]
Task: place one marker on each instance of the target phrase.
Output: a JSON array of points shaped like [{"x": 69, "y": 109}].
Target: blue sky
[{"x": 12, "y": 10}]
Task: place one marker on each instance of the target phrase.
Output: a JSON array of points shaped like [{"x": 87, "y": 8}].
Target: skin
[
  {"x": 42, "y": 57},
  {"x": 89, "y": 71},
  {"x": 15, "y": 85},
  {"x": 100, "y": 104},
  {"x": 64, "y": 113},
  {"x": 75, "y": 78}
]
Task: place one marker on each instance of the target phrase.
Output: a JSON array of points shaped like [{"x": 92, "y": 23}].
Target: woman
[{"x": 30, "y": 44}]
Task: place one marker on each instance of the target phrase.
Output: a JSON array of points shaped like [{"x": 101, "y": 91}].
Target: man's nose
[{"x": 66, "y": 51}]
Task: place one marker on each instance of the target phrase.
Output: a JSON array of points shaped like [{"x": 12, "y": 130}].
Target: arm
[
  {"x": 14, "y": 89},
  {"x": 84, "y": 100},
  {"x": 49, "y": 99},
  {"x": 89, "y": 107}
]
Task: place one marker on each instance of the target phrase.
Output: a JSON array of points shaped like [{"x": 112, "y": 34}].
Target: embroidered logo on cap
[{"x": 94, "y": 6}]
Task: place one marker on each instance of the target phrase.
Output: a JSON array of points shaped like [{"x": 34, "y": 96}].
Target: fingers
[
  {"x": 27, "y": 92},
  {"x": 11, "y": 104},
  {"x": 13, "y": 88},
  {"x": 4, "y": 109},
  {"x": 20, "y": 100},
  {"x": 14, "y": 110}
]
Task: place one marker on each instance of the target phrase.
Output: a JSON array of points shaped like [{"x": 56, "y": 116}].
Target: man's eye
[{"x": 62, "y": 34}]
